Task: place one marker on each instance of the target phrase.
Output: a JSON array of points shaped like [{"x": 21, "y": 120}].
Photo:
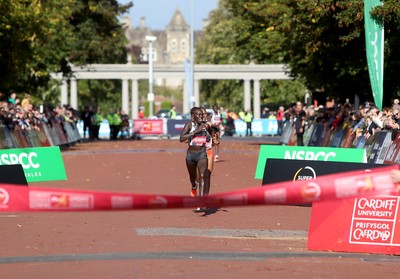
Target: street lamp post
[
  {"x": 150, "y": 95},
  {"x": 191, "y": 99}
]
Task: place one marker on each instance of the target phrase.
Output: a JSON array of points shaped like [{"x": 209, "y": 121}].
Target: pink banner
[
  {"x": 148, "y": 126},
  {"x": 324, "y": 188}
]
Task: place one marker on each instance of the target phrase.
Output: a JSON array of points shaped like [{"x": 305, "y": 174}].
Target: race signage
[
  {"x": 12, "y": 174},
  {"x": 148, "y": 127},
  {"x": 175, "y": 126},
  {"x": 258, "y": 126},
  {"x": 365, "y": 224},
  {"x": 307, "y": 153},
  {"x": 39, "y": 164},
  {"x": 279, "y": 170}
]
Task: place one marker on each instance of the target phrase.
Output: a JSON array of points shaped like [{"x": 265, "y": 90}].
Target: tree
[
  {"x": 243, "y": 32},
  {"x": 322, "y": 42},
  {"x": 40, "y": 37}
]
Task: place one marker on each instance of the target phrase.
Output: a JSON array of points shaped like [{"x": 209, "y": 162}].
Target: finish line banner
[
  {"x": 351, "y": 155},
  {"x": 324, "y": 188},
  {"x": 39, "y": 164}
]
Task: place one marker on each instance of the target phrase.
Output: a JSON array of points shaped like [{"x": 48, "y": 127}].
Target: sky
[{"x": 158, "y": 13}]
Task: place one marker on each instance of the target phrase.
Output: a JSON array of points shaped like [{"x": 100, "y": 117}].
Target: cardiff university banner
[
  {"x": 365, "y": 224},
  {"x": 374, "y": 47}
]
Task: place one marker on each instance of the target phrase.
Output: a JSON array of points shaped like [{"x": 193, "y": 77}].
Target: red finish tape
[{"x": 377, "y": 181}]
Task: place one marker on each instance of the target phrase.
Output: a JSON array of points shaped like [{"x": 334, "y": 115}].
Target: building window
[
  {"x": 183, "y": 46},
  {"x": 173, "y": 45}
]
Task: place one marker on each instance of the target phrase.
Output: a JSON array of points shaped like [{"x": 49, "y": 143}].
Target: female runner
[
  {"x": 195, "y": 134},
  {"x": 209, "y": 151}
]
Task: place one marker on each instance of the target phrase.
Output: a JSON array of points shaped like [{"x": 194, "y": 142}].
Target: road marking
[
  {"x": 198, "y": 255},
  {"x": 226, "y": 233}
]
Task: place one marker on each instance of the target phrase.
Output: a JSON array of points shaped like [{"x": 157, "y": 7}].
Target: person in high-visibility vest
[
  {"x": 114, "y": 120},
  {"x": 248, "y": 118},
  {"x": 172, "y": 112}
]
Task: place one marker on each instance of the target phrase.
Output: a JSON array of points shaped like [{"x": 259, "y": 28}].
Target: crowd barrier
[
  {"x": 167, "y": 128},
  {"x": 50, "y": 134},
  {"x": 381, "y": 148}
]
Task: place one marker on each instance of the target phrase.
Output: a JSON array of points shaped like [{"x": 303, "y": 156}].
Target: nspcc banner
[
  {"x": 39, "y": 164},
  {"x": 307, "y": 153}
]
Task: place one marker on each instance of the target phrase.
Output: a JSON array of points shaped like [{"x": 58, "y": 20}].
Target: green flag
[{"x": 374, "y": 47}]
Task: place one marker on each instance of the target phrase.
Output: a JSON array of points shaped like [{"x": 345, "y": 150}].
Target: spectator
[
  {"x": 26, "y": 101},
  {"x": 114, "y": 121},
  {"x": 248, "y": 118},
  {"x": 280, "y": 115},
  {"x": 141, "y": 112},
  {"x": 96, "y": 122},
  {"x": 13, "y": 98},
  {"x": 265, "y": 113},
  {"x": 86, "y": 117},
  {"x": 300, "y": 123},
  {"x": 172, "y": 112}
]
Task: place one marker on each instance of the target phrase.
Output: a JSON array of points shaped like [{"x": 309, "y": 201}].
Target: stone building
[{"x": 171, "y": 47}]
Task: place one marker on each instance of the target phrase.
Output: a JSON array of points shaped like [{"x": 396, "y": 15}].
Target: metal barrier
[{"x": 52, "y": 134}]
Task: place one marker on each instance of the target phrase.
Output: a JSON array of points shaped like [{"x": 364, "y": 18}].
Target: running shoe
[
  {"x": 200, "y": 209},
  {"x": 193, "y": 193},
  {"x": 216, "y": 159}
]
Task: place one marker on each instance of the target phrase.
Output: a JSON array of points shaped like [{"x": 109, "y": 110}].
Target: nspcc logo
[
  {"x": 27, "y": 160},
  {"x": 309, "y": 155}
]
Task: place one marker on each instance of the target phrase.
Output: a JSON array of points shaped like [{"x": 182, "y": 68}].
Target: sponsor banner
[
  {"x": 337, "y": 137},
  {"x": 317, "y": 136},
  {"x": 12, "y": 174},
  {"x": 278, "y": 170},
  {"x": 393, "y": 151},
  {"x": 348, "y": 138},
  {"x": 43, "y": 136},
  {"x": 39, "y": 164},
  {"x": 374, "y": 145},
  {"x": 18, "y": 137},
  {"x": 258, "y": 126},
  {"x": 307, "y": 134},
  {"x": 382, "y": 151},
  {"x": 148, "y": 127},
  {"x": 307, "y": 153},
  {"x": 175, "y": 126},
  {"x": 326, "y": 136},
  {"x": 104, "y": 131},
  {"x": 287, "y": 133},
  {"x": 5, "y": 138},
  {"x": 293, "y": 138},
  {"x": 368, "y": 224},
  {"x": 374, "y": 43},
  {"x": 359, "y": 142},
  {"x": 329, "y": 187}
]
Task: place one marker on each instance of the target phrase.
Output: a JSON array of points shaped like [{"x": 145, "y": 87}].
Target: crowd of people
[
  {"x": 364, "y": 120},
  {"x": 17, "y": 113},
  {"x": 92, "y": 118},
  {"x": 22, "y": 113}
]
